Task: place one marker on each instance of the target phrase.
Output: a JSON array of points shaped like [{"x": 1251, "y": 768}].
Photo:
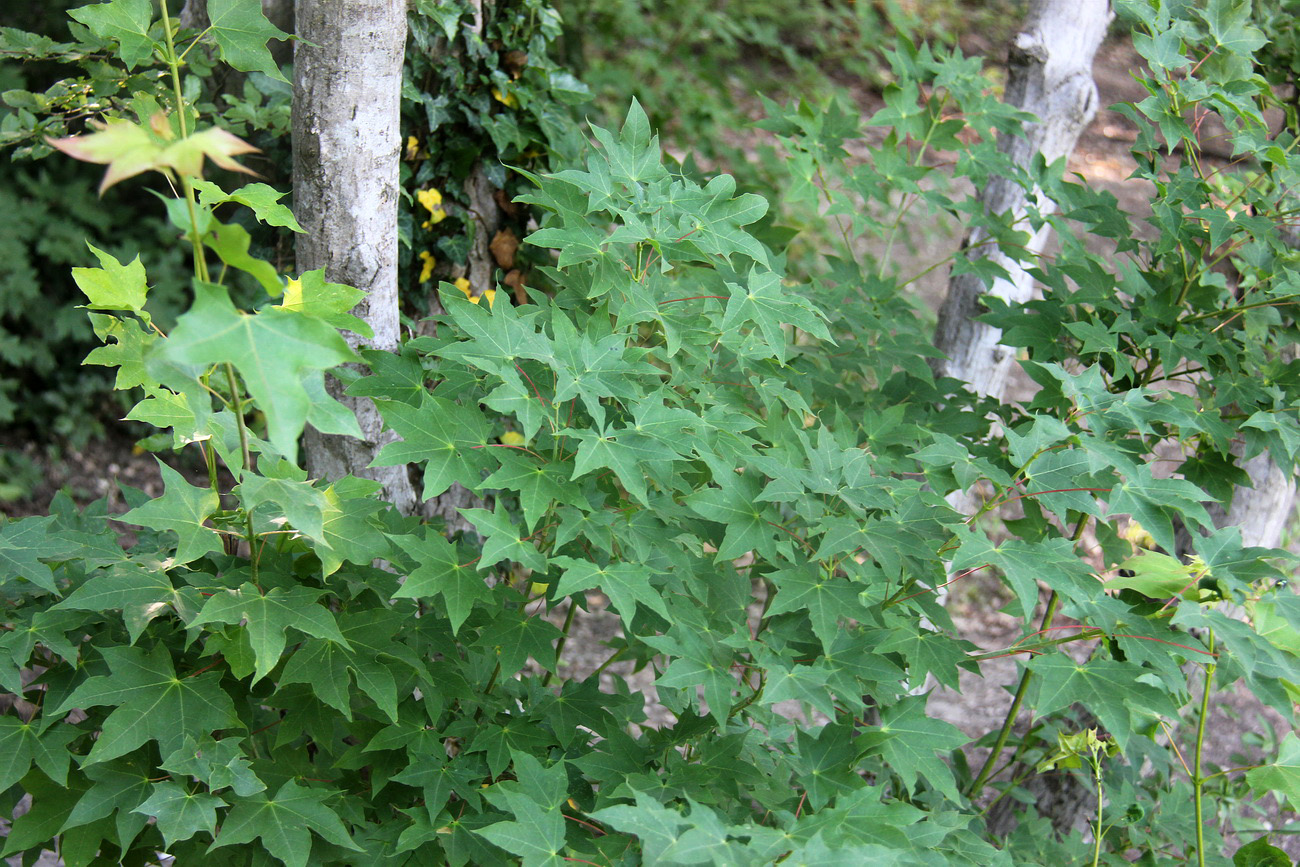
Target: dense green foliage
[{"x": 750, "y": 469}]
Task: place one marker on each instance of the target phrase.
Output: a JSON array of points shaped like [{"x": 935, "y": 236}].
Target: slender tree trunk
[
  {"x": 1050, "y": 76},
  {"x": 346, "y": 142}
]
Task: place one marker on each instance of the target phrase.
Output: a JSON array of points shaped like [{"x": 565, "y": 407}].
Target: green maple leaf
[
  {"x": 735, "y": 504},
  {"x": 539, "y": 484},
  {"x": 826, "y": 598},
  {"x": 657, "y": 826},
  {"x": 593, "y": 369},
  {"x": 1024, "y": 564},
  {"x": 625, "y": 584},
  {"x": 502, "y": 540},
  {"x": 312, "y": 294},
  {"x": 266, "y": 617},
  {"x": 284, "y": 823},
  {"x": 180, "y": 813},
  {"x": 535, "y": 798},
  {"x": 631, "y": 455},
  {"x": 112, "y": 286},
  {"x": 347, "y": 526},
  {"x": 1157, "y": 576},
  {"x": 715, "y": 228},
  {"x": 710, "y": 669},
  {"x": 1151, "y": 501},
  {"x": 827, "y": 763},
  {"x": 151, "y": 703},
  {"x": 24, "y": 544},
  {"x": 442, "y": 572},
  {"x": 217, "y": 764},
  {"x": 127, "y": 21},
  {"x": 264, "y": 201},
  {"x": 330, "y": 667},
  {"x": 272, "y": 350},
  {"x": 1114, "y": 691},
  {"x": 118, "y": 787},
  {"x": 21, "y": 744},
  {"x": 499, "y": 336},
  {"x": 392, "y": 377},
  {"x": 1282, "y": 775},
  {"x": 182, "y": 509},
  {"x": 448, "y": 437},
  {"x": 765, "y": 302},
  {"x": 140, "y": 593},
  {"x": 927, "y": 653},
  {"x": 302, "y": 503},
  {"x": 514, "y": 636},
  {"x": 127, "y": 353},
  {"x": 241, "y": 32},
  {"x": 164, "y": 409},
  {"x": 536, "y": 834},
  {"x": 908, "y": 741},
  {"x": 231, "y": 242}
]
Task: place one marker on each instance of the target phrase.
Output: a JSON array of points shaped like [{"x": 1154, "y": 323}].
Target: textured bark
[
  {"x": 194, "y": 15},
  {"x": 1050, "y": 76},
  {"x": 346, "y": 142}
]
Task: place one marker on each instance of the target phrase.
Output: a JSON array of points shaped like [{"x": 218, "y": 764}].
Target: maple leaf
[
  {"x": 151, "y": 703},
  {"x": 284, "y": 823},
  {"x": 129, "y": 149},
  {"x": 242, "y": 31},
  {"x": 502, "y": 540},
  {"x": 266, "y": 616},
  {"x": 181, "y": 509},
  {"x": 127, "y": 21},
  {"x": 112, "y": 286},
  {"x": 273, "y": 350},
  {"x": 441, "y": 572},
  {"x": 181, "y": 813},
  {"x": 625, "y": 584},
  {"x": 1282, "y": 775},
  {"x": 24, "y": 544}
]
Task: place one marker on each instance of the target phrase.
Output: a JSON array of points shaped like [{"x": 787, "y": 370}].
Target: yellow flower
[
  {"x": 430, "y": 198},
  {"x": 463, "y": 285},
  {"x": 426, "y": 270},
  {"x": 509, "y": 100},
  {"x": 512, "y": 438},
  {"x": 412, "y": 147}
]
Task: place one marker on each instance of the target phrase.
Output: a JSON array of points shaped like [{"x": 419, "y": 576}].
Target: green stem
[
  {"x": 1014, "y": 711},
  {"x": 1096, "y": 850},
  {"x": 246, "y": 459},
  {"x": 1198, "y": 780},
  {"x": 174, "y": 64},
  {"x": 245, "y": 455},
  {"x": 564, "y": 639},
  {"x": 1053, "y": 602}
]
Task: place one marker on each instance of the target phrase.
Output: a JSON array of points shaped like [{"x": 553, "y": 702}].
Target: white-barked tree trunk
[
  {"x": 346, "y": 144},
  {"x": 1049, "y": 75}
]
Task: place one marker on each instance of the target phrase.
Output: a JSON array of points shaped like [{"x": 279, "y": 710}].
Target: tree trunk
[
  {"x": 346, "y": 142},
  {"x": 1050, "y": 76}
]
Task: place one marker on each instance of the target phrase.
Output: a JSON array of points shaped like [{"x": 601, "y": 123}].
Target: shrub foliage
[{"x": 748, "y": 471}]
